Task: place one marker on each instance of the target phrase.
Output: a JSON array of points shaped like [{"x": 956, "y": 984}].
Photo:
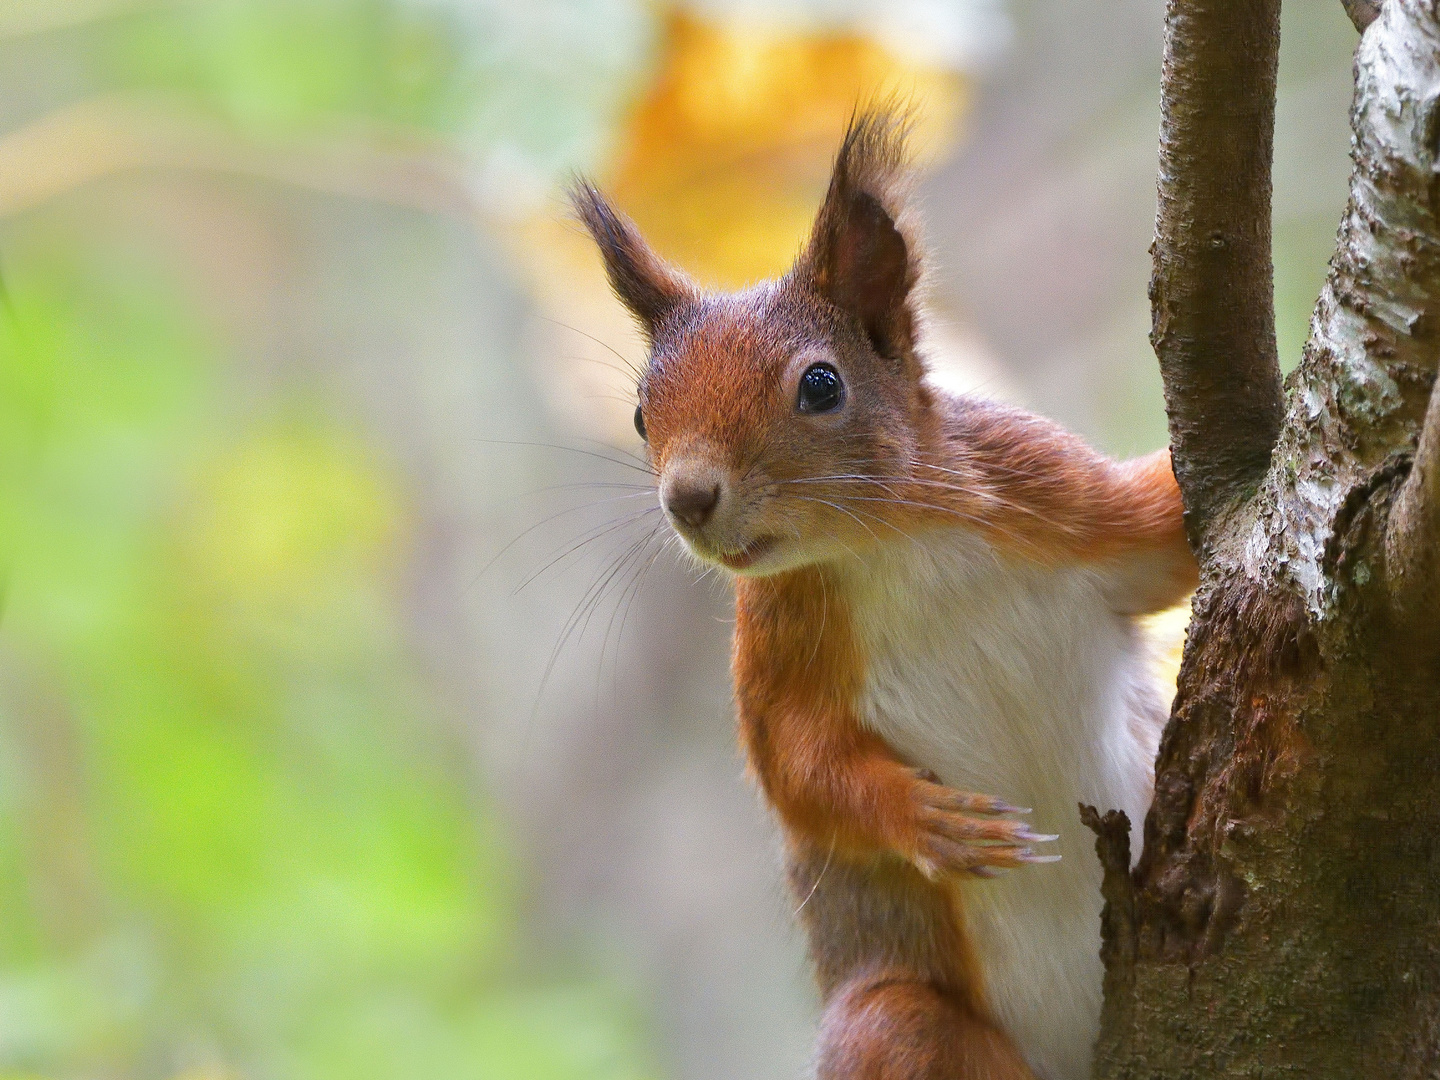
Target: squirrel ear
[
  {"x": 644, "y": 282},
  {"x": 858, "y": 257}
]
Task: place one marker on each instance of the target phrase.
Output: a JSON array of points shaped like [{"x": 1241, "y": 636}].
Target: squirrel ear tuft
[
  {"x": 641, "y": 279},
  {"x": 859, "y": 257}
]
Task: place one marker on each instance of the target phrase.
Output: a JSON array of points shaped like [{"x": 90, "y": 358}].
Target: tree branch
[
  {"x": 1401, "y": 281},
  {"x": 1412, "y": 538},
  {"x": 1211, "y": 290},
  {"x": 1366, "y": 381},
  {"x": 101, "y": 136},
  {"x": 1362, "y": 12},
  {"x": 1117, "y": 920}
]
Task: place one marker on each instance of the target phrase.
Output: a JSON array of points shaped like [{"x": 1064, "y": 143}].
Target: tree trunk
[{"x": 1284, "y": 916}]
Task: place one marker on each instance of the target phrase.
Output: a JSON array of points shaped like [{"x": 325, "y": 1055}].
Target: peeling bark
[{"x": 1285, "y": 910}]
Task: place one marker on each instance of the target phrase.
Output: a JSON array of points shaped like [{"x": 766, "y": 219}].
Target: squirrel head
[{"x": 774, "y": 417}]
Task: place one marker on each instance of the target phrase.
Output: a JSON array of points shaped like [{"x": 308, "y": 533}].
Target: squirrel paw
[{"x": 961, "y": 833}]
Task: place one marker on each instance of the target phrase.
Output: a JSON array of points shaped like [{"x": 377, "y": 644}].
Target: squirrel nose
[{"x": 691, "y": 500}]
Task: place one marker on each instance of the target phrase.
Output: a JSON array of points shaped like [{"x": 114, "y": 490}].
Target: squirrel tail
[
  {"x": 892, "y": 1026},
  {"x": 900, "y": 1002}
]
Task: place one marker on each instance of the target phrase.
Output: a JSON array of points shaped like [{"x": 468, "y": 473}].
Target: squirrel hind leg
[{"x": 896, "y": 1026}]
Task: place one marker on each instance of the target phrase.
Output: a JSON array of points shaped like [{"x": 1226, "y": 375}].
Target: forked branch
[{"x": 1211, "y": 291}]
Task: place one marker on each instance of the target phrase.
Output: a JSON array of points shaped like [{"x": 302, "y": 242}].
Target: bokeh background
[{"x": 354, "y": 723}]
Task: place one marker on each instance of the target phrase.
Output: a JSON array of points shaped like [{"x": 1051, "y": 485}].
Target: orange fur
[{"x": 797, "y": 673}]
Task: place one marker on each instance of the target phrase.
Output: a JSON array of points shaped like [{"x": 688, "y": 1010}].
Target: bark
[
  {"x": 1284, "y": 916},
  {"x": 1362, "y": 12},
  {"x": 1412, "y": 539},
  {"x": 1212, "y": 249}
]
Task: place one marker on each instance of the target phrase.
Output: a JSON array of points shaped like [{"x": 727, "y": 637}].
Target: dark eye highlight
[
  {"x": 821, "y": 390},
  {"x": 640, "y": 423}
]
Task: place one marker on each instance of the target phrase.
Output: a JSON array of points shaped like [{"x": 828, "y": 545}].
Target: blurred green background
[{"x": 348, "y": 725}]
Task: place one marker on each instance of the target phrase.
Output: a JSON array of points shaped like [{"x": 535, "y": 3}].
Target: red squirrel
[{"x": 936, "y": 596}]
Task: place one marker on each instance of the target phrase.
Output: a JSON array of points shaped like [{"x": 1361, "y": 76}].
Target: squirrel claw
[
  {"x": 959, "y": 834},
  {"x": 1034, "y": 837}
]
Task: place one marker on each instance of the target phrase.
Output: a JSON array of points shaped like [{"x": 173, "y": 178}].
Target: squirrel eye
[
  {"x": 640, "y": 423},
  {"x": 820, "y": 389}
]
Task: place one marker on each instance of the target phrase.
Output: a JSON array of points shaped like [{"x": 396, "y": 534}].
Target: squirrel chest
[
  {"x": 1016, "y": 679},
  {"x": 997, "y": 674}
]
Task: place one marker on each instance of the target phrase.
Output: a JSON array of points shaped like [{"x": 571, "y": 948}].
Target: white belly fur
[{"x": 1018, "y": 681}]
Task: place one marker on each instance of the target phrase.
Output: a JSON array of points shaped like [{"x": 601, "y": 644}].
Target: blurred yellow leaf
[{"x": 725, "y": 158}]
